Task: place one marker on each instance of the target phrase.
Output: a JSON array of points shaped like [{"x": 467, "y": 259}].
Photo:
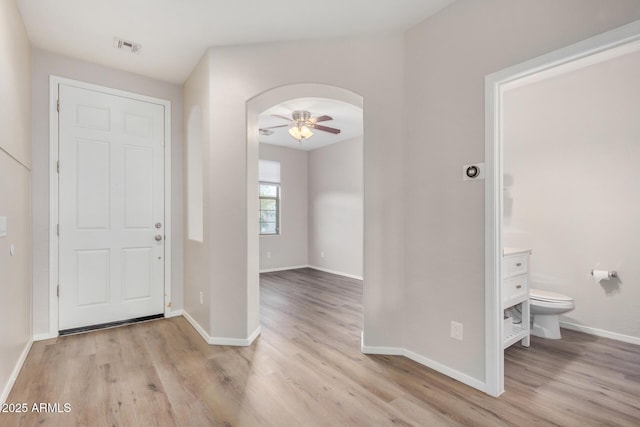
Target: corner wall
[
  {"x": 15, "y": 193},
  {"x": 289, "y": 248},
  {"x": 335, "y": 208},
  {"x": 450, "y": 54}
]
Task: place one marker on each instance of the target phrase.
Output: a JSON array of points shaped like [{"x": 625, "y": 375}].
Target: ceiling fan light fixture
[
  {"x": 300, "y": 132},
  {"x": 306, "y": 132}
]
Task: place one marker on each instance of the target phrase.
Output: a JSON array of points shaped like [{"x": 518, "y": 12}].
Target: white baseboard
[
  {"x": 14, "y": 374},
  {"x": 173, "y": 313},
  {"x": 456, "y": 375},
  {"x": 601, "y": 333},
  {"x": 271, "y": 270},
  {"x": 254, "y": 335},
  {"x": 236, "y": 342},
  {"x": 45, "y": 336},
  {"x": 199, "y": 329},
  {"x": 398, "y": 351},
  {"x": 385, "y": 351},
  {"x": 339, "y": 273}
]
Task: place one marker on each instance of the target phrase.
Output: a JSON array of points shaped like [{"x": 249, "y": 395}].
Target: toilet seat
[
  {"x": 548, "y": 296},
  {"x": 549, "y": 307}
]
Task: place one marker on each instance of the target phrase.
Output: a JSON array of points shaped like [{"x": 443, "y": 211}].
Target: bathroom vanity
[{"x": 515, "y": 293}]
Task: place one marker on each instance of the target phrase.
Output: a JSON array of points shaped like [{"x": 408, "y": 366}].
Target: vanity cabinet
[{"x": 515, "y": 293}]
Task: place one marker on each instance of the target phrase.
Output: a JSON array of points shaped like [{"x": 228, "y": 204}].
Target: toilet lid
[{"x": 543, "y": 295}]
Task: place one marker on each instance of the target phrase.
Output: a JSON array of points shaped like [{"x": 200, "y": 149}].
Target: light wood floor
[{"x": 306, "y": 369}]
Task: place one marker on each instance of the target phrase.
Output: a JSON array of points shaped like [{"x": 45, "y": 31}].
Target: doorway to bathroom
[{"x": 523, "y": 84}]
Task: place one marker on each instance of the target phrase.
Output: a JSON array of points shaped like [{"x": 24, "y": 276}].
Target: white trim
[
  {"x": 494, "y": 352},
  {"x": 53, "y": 206},
  {"x": 14, "y": 374},
  {"x": 339, "y": 273},
  {"x": 445, "y": 370},
  {"x": 173, "y": 313},
  {"x": 45, "y": 336},
  {"x": 54, "y": 82},
  {"x": 601, "y": 333},
  {"x": 456, "y": 375},
  {"x": 236, "y": 342},
  {"x": 495, "y": 85},
  {"x": 295, "y": 267},
  {"x": 387, "y": 351},
  {"x": 168, "y": 236},
  {"x": 199, "y": 329}
]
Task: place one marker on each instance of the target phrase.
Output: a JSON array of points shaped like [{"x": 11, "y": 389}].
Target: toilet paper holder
[{"x": 611, "y": 273}]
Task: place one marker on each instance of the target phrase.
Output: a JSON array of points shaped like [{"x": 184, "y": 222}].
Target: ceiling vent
[{"x": 127, "y": 45}]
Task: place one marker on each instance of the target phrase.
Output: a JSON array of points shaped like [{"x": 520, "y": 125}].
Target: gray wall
[
  {"x": 289, "y": 248},
  {"x": 572, "y": 146},
  {"x": 336, "y": 208},
  {"x": 45, "y": 64},
  {"x": 322, "y": 209},
  {"x": 15, "y": 184},
  {"x": 450, "y": 54}
]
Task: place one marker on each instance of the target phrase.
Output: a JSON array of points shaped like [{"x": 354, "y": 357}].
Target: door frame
[
  {"x": 54, "y": 81},
  {"x": 626, "y": 39}
]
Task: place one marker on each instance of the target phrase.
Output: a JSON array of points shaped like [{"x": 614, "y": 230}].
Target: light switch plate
[{"x": 3, "y": 226}]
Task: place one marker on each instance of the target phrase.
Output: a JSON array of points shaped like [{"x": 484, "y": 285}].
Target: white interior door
[{"x": 111, "y": 208}]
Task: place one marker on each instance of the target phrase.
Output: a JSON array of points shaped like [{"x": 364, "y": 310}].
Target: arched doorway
[{"x": 255, "y": 107}]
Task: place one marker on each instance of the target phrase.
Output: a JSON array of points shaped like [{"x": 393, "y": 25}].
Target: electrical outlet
[
  {"x": 456, "y": 330},
  {"x": 321, "y": 254},
  {"x": 201, "y": 298},
  {"x": 268, "y": 254}
]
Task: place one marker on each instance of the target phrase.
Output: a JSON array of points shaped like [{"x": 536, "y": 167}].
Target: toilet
[{"x": 546, "y": 306}]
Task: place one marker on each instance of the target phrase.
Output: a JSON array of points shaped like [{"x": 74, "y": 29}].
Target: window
[{"x": 269, "y": 208}]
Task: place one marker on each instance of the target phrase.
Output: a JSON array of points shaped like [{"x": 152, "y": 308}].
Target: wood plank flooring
[{"x": 306, "y": 369}]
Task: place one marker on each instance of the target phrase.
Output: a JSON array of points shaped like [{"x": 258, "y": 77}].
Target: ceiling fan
[{"x": 301, "y": 123}]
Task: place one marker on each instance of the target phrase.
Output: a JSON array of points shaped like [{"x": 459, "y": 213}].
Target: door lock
[{"x": 158, "y": 225}]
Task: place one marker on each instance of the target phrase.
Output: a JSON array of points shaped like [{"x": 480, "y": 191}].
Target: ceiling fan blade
[
  {"x": 281, "y": 117},
  {"x": 273, "y": 127},
  {"x": 321, "y": 119},
  {"x": 327, "y": 129}
]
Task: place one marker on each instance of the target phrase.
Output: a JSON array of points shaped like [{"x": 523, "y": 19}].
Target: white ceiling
[
  {"x": 175, "y": 33},
  {"x": 346, "y": 117}
]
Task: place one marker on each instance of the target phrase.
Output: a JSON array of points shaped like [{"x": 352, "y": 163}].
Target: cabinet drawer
[
  {"x": 514, "y": 289},
  {"x": 514, "y": 265}
]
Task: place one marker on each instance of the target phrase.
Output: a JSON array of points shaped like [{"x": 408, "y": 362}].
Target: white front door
[{"x": 111, "y": 208}]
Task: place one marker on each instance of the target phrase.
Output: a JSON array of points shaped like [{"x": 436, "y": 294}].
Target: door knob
[{"x": 158, "y": 237}]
